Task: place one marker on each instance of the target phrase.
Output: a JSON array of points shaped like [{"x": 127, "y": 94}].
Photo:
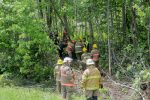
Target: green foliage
[
  {"x": 15, "y": 93},
  {"x": 25, "y": 48},
  {"x": 141, "y": 77}
]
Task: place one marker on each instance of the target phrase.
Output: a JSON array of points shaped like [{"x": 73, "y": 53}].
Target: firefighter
[
  {"x": 95, "y": 55},
  {"x": 84, "y": 57},
  {"x": 57, "y": 75},
  {"x": 70, "y": 49},
  {"x": 78, "y": 49},
  {"x": 91, "y": 81},
  {"x": 67, "y": 79},
  {"x": 61, "y": 47}
]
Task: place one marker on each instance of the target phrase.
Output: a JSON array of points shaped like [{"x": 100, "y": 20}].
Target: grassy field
[
  {"x": 24, "y": 93},
  {"x": 20, "y": 93}
]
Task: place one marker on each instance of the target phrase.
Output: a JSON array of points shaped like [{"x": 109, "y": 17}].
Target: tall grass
[
  {"x": 22, "y": 93},
  {"x": 18, "y": 93}
]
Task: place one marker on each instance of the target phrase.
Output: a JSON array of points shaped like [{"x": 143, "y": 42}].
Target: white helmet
[
  {"x": 67, "y": 59},
  {"x": 90, "y": 62}
]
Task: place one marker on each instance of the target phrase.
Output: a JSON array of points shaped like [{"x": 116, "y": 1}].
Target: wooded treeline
[{"x": 121, "y": 29}]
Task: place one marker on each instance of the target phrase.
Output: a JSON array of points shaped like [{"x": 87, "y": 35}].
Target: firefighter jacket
[
  {"x": 78, "y": 47},
  {"x": 67, "y": 76},
  {"x": 70, "y": 47},
  {"x": 57, "y": 72},
  {"x": 95, "y": 54},
  {"x": 91, "y": 79}
]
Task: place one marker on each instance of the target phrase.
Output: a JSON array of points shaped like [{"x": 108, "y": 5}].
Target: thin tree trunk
[
  {"x": 109, "y": 45},
  {"x": 57, "y": 13},
  {"x": 90, "y": 26},
  {"x": 40, "y": 8},
  {"x": 49, "y": 15},
  {"x": 65, "y": 17},
  {"x": 149, "y": 36},
  {"x": 91, "y": 30},
  {"x": 133, "y": 24},
  {"x": 124, "y": 20}
]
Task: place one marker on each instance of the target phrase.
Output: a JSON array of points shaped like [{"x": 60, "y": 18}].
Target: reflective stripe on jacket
[
  {"x": 91, "y": 79},
  {"x": 67, "y": 76},
  {"x": 70, "y": 47},
  {"x": 78, "y": 47}
]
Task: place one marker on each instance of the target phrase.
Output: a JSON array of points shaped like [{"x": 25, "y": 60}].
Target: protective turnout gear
[
  {"x": 67, "y": 76},
  {"x": 95, "y": 54},
  {"x": 59, "y": 62},
  {"x": 70, "y": 49},
  {"x": 90, "y": 62},
  {"x": 67, "y": 79},
  {"x": 78, "y": 47},
  {"x": 91, "y": 81},
  {"x": 94, "y": 46},
  {"x": 57, "y": 75}
]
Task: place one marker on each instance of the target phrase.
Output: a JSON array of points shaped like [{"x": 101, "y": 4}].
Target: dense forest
[{"x": 121, "y": 28}]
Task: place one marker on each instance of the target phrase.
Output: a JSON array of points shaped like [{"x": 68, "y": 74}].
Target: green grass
[
  {"x": 18, "y": 93},
  {"x": 23, "y": 93}
]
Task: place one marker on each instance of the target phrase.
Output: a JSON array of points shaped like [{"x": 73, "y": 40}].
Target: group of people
[
  {"x": 65, "y": 79},
  {"x": 80, "y": 50}
]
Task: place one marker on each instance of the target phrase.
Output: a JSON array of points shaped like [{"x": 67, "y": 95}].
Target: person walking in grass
[
  {"x": 67, "y": 79},
  {"x": 57, "y": 75},
  {"x": 91, "y": 81}
]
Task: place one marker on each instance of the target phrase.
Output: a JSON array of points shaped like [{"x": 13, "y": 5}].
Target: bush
[{"x": 25, "y": 48}]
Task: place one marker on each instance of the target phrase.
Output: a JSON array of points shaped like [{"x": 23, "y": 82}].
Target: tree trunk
[
  {"x": 109, "y": 44},
  {"x": 49, "y": 11},
  {"x": 40, "y": 8},
  {"x": 124, "y": 18},
  {"x": 149, "y": 36},
  {"x": 133, "y": 24},
  {"x": 56, "y": 12},
  {"x": 90, "y": 25},
  {"x": 65, "y": 20}
]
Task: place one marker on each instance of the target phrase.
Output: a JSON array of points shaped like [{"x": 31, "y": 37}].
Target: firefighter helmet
[
  {"x": 90, "y": 62},
  {"x": 84, "y": 49},
  {"x": 59, "y": 62},
  {"x": 67, "y": 59},
  {"x": 94, "y": 46}
]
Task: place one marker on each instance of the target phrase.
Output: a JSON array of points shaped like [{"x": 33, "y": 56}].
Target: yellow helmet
[
  {"x": 60, "y": 62},
  {"x": 84, "y": 49},
  {"x": 94, "y": 46}
]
